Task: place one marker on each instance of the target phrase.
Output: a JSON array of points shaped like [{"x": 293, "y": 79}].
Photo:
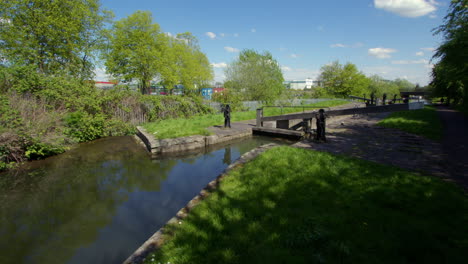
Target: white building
[{"x": 299, "y": 84}]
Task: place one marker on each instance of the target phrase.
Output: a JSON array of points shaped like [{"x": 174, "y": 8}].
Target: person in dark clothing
[
  {"x": 227, "y": 116},
  {"x": 320, "y": 126}
]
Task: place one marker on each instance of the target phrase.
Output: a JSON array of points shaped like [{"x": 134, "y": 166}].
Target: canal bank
[
  {"x": 100, "y": 201},
  {"x": 219, "y": 134}
]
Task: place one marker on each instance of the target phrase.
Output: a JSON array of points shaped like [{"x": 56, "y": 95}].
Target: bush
[
  {"x": 85, "y": 127},
  {"x": 40, "y": 150}
]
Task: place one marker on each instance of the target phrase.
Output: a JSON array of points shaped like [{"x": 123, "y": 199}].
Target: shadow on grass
[{"x": 312, "y": 207}]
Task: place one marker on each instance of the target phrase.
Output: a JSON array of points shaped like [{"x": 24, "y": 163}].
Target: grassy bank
[
  {"x": 424, "y": 122},
  {"x": 313, "y": 207},
  {"x": 35, "y": 126},
  {"x": 197, "y": 125}
]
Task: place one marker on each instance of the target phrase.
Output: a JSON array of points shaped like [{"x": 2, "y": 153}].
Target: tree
[
  {"x": 343, "y": 80},
  {"x": 256, "y": 76},
  {"x": 185, "y": 63},
  {"x": 404, "y": 85},
  {"x": 135, "y": 49},
  {"x": 450, "y": 75},
  {"x": 54, "y": 36},
  {"x": 379, "y": 86}
]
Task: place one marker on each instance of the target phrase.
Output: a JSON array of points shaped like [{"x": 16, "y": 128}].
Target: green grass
[
  {"x": 299, "y": 206},
  {"x": 197, "y": 125},
  {"x": 424, "y": 122}
]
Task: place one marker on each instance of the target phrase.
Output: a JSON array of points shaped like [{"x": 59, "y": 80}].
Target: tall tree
[
  {"x": 404, "y": 85},
  {"x": 450, "y": 76},
  {"x": 343, "y": 80},
  {"x": 135, "y": 49},
  {"x": 256, "y": 76},
  {"x": 53, "y": 35},
  {"x": 185, "y": 63},
  {"x": 379, "y": 86}
]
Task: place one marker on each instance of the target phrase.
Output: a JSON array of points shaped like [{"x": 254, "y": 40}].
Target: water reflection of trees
[
  {"x": 60, "y": 204},
  {"x": 73, "y": 196}
]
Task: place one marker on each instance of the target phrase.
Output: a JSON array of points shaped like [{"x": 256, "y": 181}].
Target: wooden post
[{"x": 259, "y": 117}]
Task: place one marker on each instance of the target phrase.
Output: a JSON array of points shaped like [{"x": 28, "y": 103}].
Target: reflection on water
[{"x": 99, "y": 202}]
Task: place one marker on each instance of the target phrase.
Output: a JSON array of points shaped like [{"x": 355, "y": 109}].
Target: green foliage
[
  {"x": 138, "y": 49},
  {"x": 135, "y": 49},
  {"x": 39, "y": 150},
  {"x": 229, "y": 97},
  {"x": 85, "y": 127},
  {"x": 308, "y": 208},
  {"x": 9, "y": 118},
  {"x": 198, "y": 124},
  {"x": 185, "y": 63},
  {"x": 255, "y": 76},
  {"x": 404, "y": 85},
  {"x": 424, "y": 122},
  {"x": 166, "y": 107},
  {"x": 52, "y": 36},
  {"x": 379, "y": 86},
  {"x": 450, "y": 74},
  {"x": 343, "y": 80}
]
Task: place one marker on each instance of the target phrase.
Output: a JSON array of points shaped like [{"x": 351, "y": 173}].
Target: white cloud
[
  {"x": 338, "y": 45},
  {"x": 219, "y": 65},
  {"x": 222, "y": 35},
  {"x": 294, "y": 56},
  {"x": 407, "y": 8},
  {"x": 433, "y": 16},
  {"x": 415, "y": 74},
  {"x": 231, "y": 49},
  {"x": 419, "y": 53},
  {"x": 211, "y": 35},
  {"x": 381, "y": 53},
  {"x": 286, "y": 68},
  {"x": 253, "y": 30},
  {"x": 428, "y": 49},
  {"x": 421, "y": 61}
]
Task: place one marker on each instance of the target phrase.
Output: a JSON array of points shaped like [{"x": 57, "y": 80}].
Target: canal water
[{"x": 99, "y": 202}]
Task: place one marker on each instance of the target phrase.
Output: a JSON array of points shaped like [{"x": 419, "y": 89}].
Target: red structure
[{"x": 218, "y": 90}]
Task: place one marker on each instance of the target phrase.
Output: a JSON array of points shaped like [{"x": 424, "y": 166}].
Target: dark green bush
[{"x": 85, "y": 127}]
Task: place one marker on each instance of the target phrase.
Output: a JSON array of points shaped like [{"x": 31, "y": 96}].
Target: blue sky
[{"x": 391, "y": 38}]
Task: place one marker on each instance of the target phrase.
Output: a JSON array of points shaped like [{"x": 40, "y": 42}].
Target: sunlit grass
[
  {"x": 197, "y": 125},
  {"x": 424, "y": 122},
  {"x": 297, "y": 206}
]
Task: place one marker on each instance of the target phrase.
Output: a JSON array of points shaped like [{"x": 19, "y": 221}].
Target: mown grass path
[{"x": 295, "y": 205}]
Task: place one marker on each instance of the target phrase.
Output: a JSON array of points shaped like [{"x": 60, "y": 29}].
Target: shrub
[
  {"x": 85, "y": 127},
  {"x": 40, "y": 150}
]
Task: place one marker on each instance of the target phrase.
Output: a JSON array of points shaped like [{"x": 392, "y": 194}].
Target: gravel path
[
  {"x": 358, "y": 136},
  {"x": 455, "y": 144}
]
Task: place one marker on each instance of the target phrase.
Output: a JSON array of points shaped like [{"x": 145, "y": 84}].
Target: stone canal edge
[{"x": 156, "y": 240}]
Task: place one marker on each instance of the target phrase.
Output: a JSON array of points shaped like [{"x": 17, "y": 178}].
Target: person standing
[{"x": 227, "y": 116}]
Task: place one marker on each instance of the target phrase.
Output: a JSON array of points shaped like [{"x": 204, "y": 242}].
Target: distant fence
[{"x": 253, "y": 105}]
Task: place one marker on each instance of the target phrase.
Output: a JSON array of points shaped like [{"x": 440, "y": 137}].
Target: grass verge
[
  {"x": 197, "y": 125},
  {"x": 424, "y": 122},
  {"x": 313, "y": 207}
]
